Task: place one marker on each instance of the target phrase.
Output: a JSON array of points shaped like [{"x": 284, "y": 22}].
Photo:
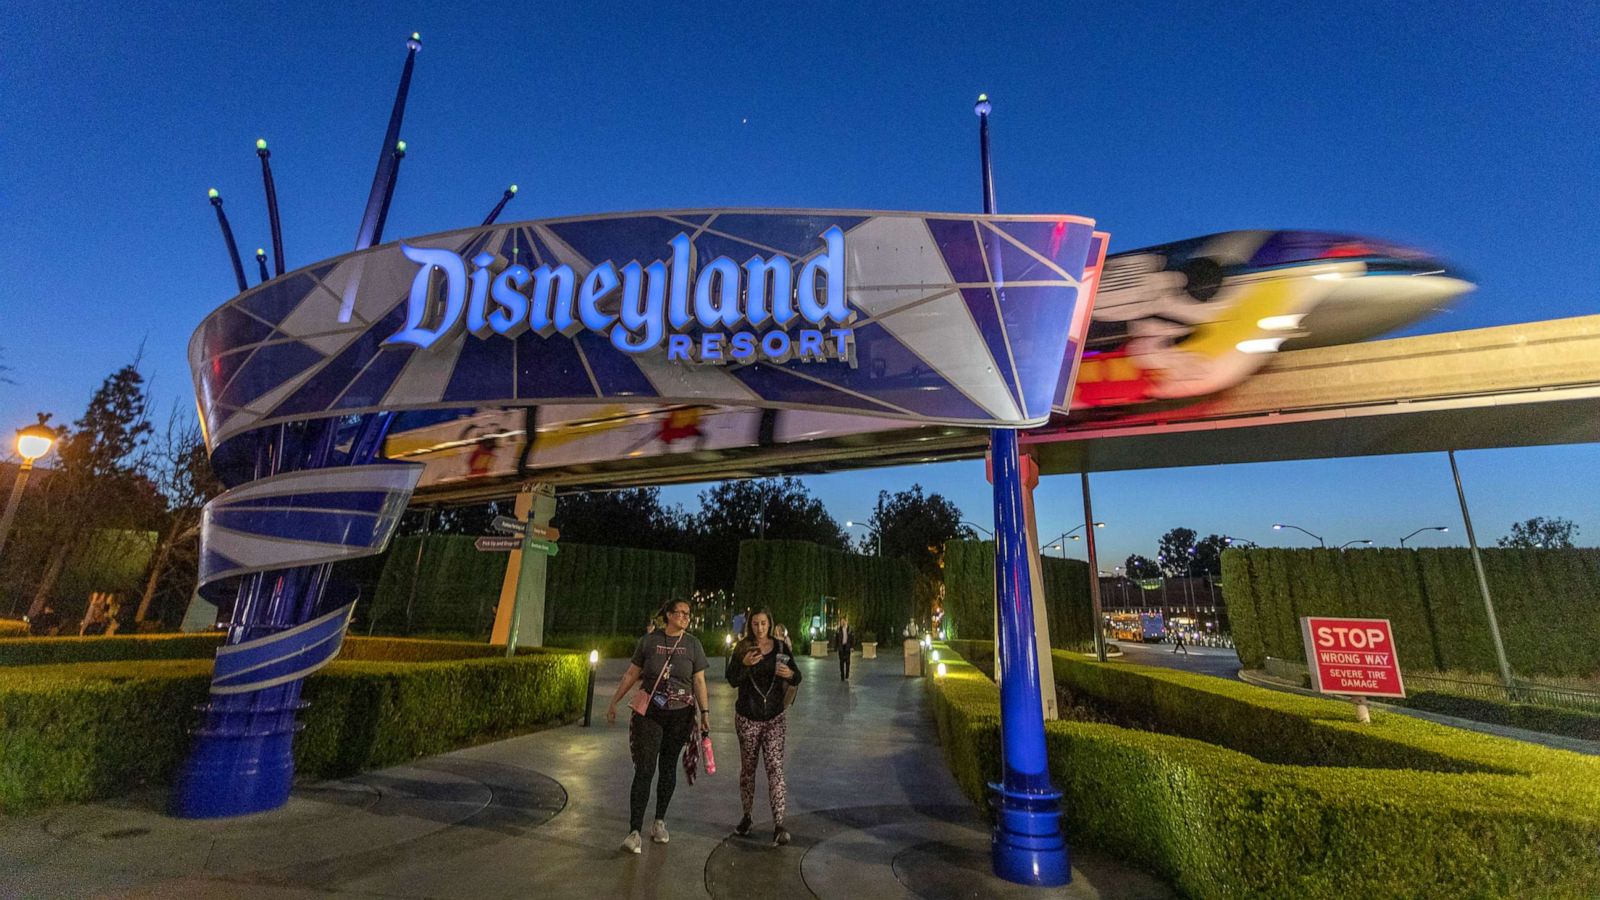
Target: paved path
[
  {"x": 1222, "y": 663},
  {"x": 873, "y": 810}
]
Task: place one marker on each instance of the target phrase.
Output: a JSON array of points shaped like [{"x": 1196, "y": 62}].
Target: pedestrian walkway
[{"x": 872, "y": 807}]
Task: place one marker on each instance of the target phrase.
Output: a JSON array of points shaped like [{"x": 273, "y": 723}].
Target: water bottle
[{"x": 711, "y": 761}]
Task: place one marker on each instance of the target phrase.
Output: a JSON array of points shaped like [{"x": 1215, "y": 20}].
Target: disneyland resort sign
[{"x": 733, "y": 313}]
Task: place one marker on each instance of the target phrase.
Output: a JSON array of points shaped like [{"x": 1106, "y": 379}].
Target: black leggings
[{"x": 655, "y": 740}]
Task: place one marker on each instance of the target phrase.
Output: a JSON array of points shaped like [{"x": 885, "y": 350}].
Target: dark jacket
[
  {"x": 760, "y": 689},
  {"x": 846, "y": 641}
]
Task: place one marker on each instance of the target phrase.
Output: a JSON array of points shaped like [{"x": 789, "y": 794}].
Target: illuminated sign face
[{"x": 739, "y": 312}]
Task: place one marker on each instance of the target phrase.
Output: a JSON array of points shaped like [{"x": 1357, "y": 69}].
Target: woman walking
[
  {"x": 669, "y": 665},
  {"x": 762, "y": 668}
]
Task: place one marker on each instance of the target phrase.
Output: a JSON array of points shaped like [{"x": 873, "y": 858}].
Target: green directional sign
[{"x": 534, "y": 544}]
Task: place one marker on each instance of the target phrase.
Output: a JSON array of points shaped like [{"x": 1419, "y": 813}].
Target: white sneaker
[
  {"x": 631, "y": 843},
  {"x": 658, "y": 832}
]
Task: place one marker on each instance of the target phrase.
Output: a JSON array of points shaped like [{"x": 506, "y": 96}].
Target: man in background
[{"x": 847, "y": 643}]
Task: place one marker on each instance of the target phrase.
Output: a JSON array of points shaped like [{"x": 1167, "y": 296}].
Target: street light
[
  {"x": 1348, "y": 543},
  {"x": 33, "y": 442},
  {"x": 1421, "y": 530},
  {"x": 1230, "y": 541},
  {"x": 1069, "y": 536},
  {"x": 1280, "y": 526},
  {"x": 588, "y": 702},
  {"x": 979, "y": 527},
  {"x": 877, "y": 540}
]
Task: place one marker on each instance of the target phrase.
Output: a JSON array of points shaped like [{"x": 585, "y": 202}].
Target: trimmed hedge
[
  {"x": 1547, "y": 603},
  {"x": 90, "y": 730},
  {"x": 10, "y": 628},
  {"x": 1569, "y": 722},
  {"x": 969, "y": 595},
  {"x": 791, "y": 577},
  {"x": 1217, "y": 822},
  {"x": 60, "y": 650},
  {"x": 588, "y": 588}
]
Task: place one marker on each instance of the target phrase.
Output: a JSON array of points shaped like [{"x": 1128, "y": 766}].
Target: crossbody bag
[{"x": 640, "y": 702}]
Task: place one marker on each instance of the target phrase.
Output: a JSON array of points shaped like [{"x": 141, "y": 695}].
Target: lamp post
[
  {"x": 1360, "y": 541},
  {"x": 1231, "y": 540},
  {"x": 588, "y": 703},
  {"x": 33, "y": 442},
  {"x": 877, "y": 541},
  {"x": 979, "y": 527},
  {"x": 1281, "y": 526},
  {"x": 1069, "y": 536},
  {"x": 1421, "y": 530}
]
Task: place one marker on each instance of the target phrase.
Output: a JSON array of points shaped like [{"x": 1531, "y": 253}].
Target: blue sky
[{"x": 1467, "y": 129}]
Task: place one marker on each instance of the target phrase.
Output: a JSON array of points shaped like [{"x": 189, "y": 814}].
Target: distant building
[{"x": 1198, "y": 598}]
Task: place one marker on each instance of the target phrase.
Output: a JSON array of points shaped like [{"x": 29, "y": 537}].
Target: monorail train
[
  {"x": 1170, "y": 324},
  {"x": 1198, "y": 316}
]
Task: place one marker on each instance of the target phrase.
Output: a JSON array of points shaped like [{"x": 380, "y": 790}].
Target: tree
[
  {"x": 1177, "y": 551},
  {"x": 1139, "y": 567},
  {"x": 627, "y": 518},
  {"x": 1540, "y": 533},
  {"x": 765, "y": 508},
  {"x": 100, "y": 480},
  {"x": 1208, "y": 555},
  {"x": 181, "y": 470},
  {"x": 913, "y": 526}
]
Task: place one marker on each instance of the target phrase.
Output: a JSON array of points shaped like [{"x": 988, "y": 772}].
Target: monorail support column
[{"x": 1028, "y": 847}]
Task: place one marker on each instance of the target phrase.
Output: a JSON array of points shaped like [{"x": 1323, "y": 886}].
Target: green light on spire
[
  {"x": 261, "y": 252},
  {"x": 513, "y": 189},
  {"x": 213, "y": 194},
  {"x": 416, "y": 35},
  {"x": 400, "y": 147},
  {"x": 261, "y": 143},
  {"x": 982, "y": 97}
]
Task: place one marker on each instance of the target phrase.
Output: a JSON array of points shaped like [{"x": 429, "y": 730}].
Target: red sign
[{"x": 1352, "y": 656}]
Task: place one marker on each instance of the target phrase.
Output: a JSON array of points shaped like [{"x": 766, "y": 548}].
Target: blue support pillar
[{"x": 1028, "y": 847}]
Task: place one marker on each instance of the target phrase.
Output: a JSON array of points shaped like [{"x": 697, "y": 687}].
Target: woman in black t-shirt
[{"x": 762, "y": 668}]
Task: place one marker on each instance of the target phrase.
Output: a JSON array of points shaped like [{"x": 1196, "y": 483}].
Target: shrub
[
  {"x": 78, "y": 732},
  {"x": 10, "y": 628},
  {"x": 33, "y": 651},
  {"x": 1490, "y": 818},
  {"x": 1571, "y": 723}
]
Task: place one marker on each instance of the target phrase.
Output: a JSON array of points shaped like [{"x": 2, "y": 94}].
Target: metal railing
[{"x": 1521, "y": 692}]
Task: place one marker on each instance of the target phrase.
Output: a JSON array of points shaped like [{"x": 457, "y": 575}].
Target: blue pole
[
  {"x": 367, "y": 236},
  {"x": 1027, "y": 846}
]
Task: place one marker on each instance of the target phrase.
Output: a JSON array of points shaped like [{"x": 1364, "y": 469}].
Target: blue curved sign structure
[{"x": 934, "y": 318}]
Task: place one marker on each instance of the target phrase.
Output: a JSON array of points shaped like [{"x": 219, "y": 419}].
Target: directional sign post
[
  {"x": 491, "y": 543},
  {"x": 509, "y": 525}
]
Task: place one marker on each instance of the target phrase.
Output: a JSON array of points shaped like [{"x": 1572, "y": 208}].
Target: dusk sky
[{"x": 1469, "y": 130}]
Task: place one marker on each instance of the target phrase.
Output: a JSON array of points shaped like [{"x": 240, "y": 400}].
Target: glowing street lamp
[
  {"x": 1421, "y": 530},
  {"x": 877, "y": 540},
  {"x": 1281, "y": 526},
  {"x": 1360, "y": 541},
  {"x": 33, "y": 442},
  {"x": 588, "y": 701}
]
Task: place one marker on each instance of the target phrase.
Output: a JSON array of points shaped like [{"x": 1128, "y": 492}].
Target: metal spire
[
  {"x": 272, "y": 205},
  {"x": 504, "y": 199},
  {"x": 388, "y": 189},
  {"x": 383, "y": 179},
  {"x": 261, "y": 261},
  {"x": 227, "y": 238},
  {"x": 982, "y": 108}
]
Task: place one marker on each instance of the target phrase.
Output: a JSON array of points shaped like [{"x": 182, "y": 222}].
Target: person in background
[
  {"x": 670, "y": 667},
  {"x": 47, "y": 623},
  {"x": 740, "y": 620},
  {"x": 762, "y": 668},
  {"x": 781, "y": 632},
  {"x": 847, "y": 643}
]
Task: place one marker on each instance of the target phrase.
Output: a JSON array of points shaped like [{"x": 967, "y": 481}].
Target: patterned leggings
[{"x": 757, "y": 738}]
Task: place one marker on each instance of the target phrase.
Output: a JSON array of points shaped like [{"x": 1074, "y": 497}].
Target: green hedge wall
[
  {"x": 1547, "y": 603},
  {"x": 588, "y": 588},
  {"x": 969, "y": 595},
  {"x": 105, "y": 559},
  {"x": 89, "y": 730},
  {"x": 612, "y": 590},
  {"x": 1219, "y": 823},
  {"x": 790, "y": 577}
]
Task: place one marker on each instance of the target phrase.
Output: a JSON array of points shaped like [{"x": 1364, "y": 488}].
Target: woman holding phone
[{"x": 762, "y": 668}]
